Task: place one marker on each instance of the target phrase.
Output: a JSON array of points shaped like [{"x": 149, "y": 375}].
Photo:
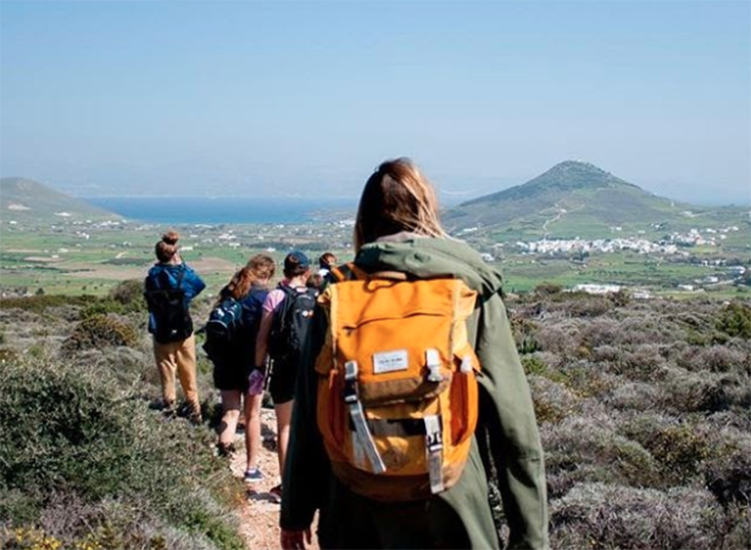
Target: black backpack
[
  {"x": 168, "y": 306},
  {"x": 290, "y": 326},
  {"x": 225, "y": 322}
]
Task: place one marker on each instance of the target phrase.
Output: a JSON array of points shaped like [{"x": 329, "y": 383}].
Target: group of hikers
[{"x": 398, "y": 392}]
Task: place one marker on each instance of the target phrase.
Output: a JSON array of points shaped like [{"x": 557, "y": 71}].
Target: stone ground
[{"x": 260, "y": 514}]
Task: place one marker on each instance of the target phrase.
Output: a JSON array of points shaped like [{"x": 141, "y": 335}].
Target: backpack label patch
[{"x": 390, "y": 361}]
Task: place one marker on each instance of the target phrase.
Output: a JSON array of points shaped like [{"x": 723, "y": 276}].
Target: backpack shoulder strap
[
  {"x": 289, "y": 292},
  {"x": 160, "y": 280},
  {"x": 350, "y": 272},
  {"x": 280, "y": 313},
  {"x": 346, "y": 272},
  {"x": 180, "y": 277},
  {"x": 154, "y": 278}
]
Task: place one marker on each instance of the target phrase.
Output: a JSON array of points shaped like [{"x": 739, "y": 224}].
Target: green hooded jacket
[{"x": 506, "y": 440}]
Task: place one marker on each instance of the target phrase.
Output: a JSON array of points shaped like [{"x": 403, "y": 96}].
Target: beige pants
[{"x": 178, "y": 358}]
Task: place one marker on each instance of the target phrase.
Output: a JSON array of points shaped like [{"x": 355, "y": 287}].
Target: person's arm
[
  {"x": 507, "y": 415},
  {"x": 268, "y": 310},
  {"x": 262, "y": 340},
  {"x": 192, "y": 283},
  {"x": 148, "y": 285},
  {"x": 295, "y": 540}
]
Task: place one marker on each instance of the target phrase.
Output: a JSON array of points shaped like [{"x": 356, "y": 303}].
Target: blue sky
[{"x": 252, "y": 97}]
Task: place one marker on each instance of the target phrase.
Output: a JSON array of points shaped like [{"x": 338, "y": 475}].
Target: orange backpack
[{"x": 397, "y": 386}]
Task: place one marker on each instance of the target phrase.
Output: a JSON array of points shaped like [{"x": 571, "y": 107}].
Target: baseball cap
[{"x": 295, "y": 260}]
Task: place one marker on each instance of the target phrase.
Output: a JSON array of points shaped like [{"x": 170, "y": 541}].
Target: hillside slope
[
  {"x": 572, "y": 199},
  {"x": 28, "y": 200}
]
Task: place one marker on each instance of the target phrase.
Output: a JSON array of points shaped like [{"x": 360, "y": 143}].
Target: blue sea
[{"x": 231, "y": 210}]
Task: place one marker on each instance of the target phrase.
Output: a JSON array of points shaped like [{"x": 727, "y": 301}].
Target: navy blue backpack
[
  {"x": 232, "y": 328},
  {"x": 224, "y": 324}
]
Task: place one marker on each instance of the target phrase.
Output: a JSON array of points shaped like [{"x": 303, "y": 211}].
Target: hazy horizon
[
  {"x": 447, "y": 198},
  {"x": 306, "y": 98}
]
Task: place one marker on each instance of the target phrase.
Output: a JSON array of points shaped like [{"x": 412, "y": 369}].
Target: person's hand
[
  {"x": 295, "y": 540},
  {"x": 255, "y": 381}
]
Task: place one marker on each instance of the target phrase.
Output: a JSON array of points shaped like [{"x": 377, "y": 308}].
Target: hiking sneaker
[
  {"x": 168, "y": 409},
  {"x": 226, "y": 450},
  {"x": 252, "y": 476},
  {"x": 275, "y": 494}
]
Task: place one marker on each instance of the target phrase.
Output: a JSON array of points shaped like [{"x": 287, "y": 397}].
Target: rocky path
[{"x": 260, "y": 514}]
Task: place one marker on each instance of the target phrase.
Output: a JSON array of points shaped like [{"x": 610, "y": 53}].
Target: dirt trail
[
  {"x": 560, "y": 212},
  {"x": 260, "y": 515}
]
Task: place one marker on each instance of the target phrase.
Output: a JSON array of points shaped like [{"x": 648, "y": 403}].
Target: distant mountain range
[
  {"x": 577, "y": 198},
  {"x": 28, "y": 200},
  {"x": 572, "y": 199}
]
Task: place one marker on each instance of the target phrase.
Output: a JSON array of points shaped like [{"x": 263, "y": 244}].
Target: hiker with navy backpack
[
  {"x": 411, "y": 398},
  {"x": 231, "y": 333},
  {"x": 287, "y": 313},
  {"x": 169, "y": 287}
]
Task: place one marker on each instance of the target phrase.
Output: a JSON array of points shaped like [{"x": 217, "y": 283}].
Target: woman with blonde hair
[
  {"x": 169, "y": 287},
  {"x": 248, "y": 286},
  {"x": 398, "y": 232}
]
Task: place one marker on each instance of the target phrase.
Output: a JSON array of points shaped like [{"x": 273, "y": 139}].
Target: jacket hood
[{"x": 430, "y": 257}]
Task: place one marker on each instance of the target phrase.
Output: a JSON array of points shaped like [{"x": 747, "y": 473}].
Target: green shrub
[
  {"x": 8, "y": 354},
  {"x": 126, "y": 297},
  {"x": 71, "y": 429},
  {"x": 728, "y": 473},
  {"x": 714, "y": 358},
  {"x": 585, "y": 450},
  {"x": 554, "y": 339},
  {"x": 129, "y": 294},
  {"x": 681, "y": 451},
  {"x": 735, "y": 320},
  {"x": 98, "y": 331},
  {"x": 36, "y": 351},
  {"x": 101, "y": 307},
  {"x": 621, "y": 298},
  {"x": 589, "y": 306},
  {"x": 584, "y": 380},
  {"x": 534, "y": 365},
  {"x": 684, "y": 392},
  {"x": 525, "y": 335},
  {"x": 546, "y": 289},
  {"x": 602, "y": 516},
  {"x": 642, "y": 362}
]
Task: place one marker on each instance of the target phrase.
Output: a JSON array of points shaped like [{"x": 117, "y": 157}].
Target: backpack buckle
[
  {"x": 350, "y": 382},
  {"x": 433, "y": 362}
]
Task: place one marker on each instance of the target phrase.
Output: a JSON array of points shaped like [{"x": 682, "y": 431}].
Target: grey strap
[
  {"x": 363, "y": 440},
  {"x": 434, "y": 452}
]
